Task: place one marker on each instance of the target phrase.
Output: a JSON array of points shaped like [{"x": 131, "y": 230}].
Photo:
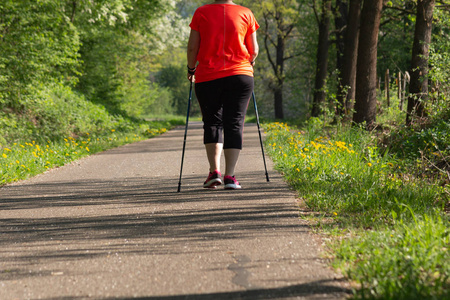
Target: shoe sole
[
  {"x": 212, "y": 184},
  {"x": 231, "y": 186}
]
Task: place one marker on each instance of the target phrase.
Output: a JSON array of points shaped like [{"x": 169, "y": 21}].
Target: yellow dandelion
[
  {"x": 4, "y": 155},
  {"x": 112, "y": 130},
  {"x": 369, "y": 164},
  {"x": 335, "y": 213},
  {"x": 18, "y": 162},
  {"x": 6, "y": 149}
]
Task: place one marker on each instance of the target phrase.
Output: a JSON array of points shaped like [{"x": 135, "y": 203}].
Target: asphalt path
[{"x": 113, "y": 226}]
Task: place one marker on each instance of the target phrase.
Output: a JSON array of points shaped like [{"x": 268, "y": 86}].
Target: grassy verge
[
  {"x": 55, "y": 125},
  {"x": 392, "y": 234},
  {"x": 24, "y": 159}
]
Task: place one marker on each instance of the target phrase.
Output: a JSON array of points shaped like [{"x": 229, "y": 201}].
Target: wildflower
[
  {"x": 6, "y": 149},
  {"x": 4, "y": 155},
  {"x": 369, "y": 164},
  {"x": 87, "y": 149},
  {"x": 335, "y": 213},
  {"x": 112, "y": 130},
  {"x": 18, "y": 162},
  {"x": 298, "y": 170}
]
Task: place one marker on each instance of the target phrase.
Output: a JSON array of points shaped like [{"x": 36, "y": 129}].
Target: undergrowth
[
  {"x": 58, "y": 126},
  {"x": 391, "y": 229}
]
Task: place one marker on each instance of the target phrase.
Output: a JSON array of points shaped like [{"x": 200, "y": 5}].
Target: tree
[
  {"x": 38, "y": 45},
  {"x": 322, "y": 55},
  {"x": 418, "y": 87},
  {"x": 279, "y": 20},
  {"x": 366, "y": 70},
  {"x": 347, "y": 68}
]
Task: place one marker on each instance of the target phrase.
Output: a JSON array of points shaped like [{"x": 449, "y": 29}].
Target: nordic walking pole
[
  {"x": 185, "y": 134},
  {"x": 259, "y": 132}
]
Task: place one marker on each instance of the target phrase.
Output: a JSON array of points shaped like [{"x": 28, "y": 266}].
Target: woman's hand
[{"x": 190, "y": 77}]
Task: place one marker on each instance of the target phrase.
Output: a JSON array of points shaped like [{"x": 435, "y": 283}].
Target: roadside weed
[
  {"x": 399, "y": 244},
  {"x": 22, "y": 160}
]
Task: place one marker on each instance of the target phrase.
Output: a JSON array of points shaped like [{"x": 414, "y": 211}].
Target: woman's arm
[
  {"x": 192, "y": 51},
  {"x": 252, "y": 45}
]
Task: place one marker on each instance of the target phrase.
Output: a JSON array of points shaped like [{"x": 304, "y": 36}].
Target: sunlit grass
[
  {"x": 25, "y": 159},
  {"x": 373, "y": 198}
]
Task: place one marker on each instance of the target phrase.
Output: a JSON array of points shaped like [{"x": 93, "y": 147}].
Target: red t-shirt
[{"x": 223, "y": 29}]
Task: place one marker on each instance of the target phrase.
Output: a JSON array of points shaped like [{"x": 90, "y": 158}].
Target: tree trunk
[
  {"x": 340, "y": 21},
  {"x": 278, "y": 90},
  {"x": 322, "y": 59},
  {"x": 346, "y": 92},
  {"x": 418, "y": 87},
  {"x": 366, "y": 70},
  {"x": 278, "y": 94}
]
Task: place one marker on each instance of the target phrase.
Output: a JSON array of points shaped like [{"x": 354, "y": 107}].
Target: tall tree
[
  {"x": 323, "y": 19},
  {"x": 340, "y": 12},
  {"x": 418, "y": 88},
  {"x": 279, "y": 21},
  {"x": 366, "y": 69},
  {"x": 347, "y": 70}
]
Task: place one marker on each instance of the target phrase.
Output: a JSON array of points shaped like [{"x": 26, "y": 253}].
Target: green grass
[
  {"x": 22, "y": 160},
  {"x": 399, "y": 234}
]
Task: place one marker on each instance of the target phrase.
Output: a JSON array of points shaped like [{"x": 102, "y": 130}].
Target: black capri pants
[{"x": 224, "y": 103}]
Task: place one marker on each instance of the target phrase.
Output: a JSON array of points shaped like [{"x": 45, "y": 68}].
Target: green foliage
[
  {"x": 173, "y": 77},
  {"x": 38, "y": 44},
  {"x": 27, "y": 158},
  {"x": 410, "y": 262},
  {"x": 396, "y": 37},
  {"x": 398, "y": 235},
  {"x": 347, "y": 175},
  {"x": 55, "y": 112}
]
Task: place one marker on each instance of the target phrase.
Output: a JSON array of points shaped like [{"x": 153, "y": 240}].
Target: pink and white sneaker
[
  {"x": 213, "y": 180},
  {"x": 231, "y": 183}
]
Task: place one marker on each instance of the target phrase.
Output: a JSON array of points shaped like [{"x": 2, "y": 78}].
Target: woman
[{"x": 223, "y": 41}]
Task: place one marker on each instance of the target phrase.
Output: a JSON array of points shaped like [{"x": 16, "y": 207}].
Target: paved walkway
[{"x": 112, "y": 226}]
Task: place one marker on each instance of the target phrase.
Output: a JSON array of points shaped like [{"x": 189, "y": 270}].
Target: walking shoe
[
  {"x": 231, "y": 183},
  {"x": 213, "y": 180}
]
